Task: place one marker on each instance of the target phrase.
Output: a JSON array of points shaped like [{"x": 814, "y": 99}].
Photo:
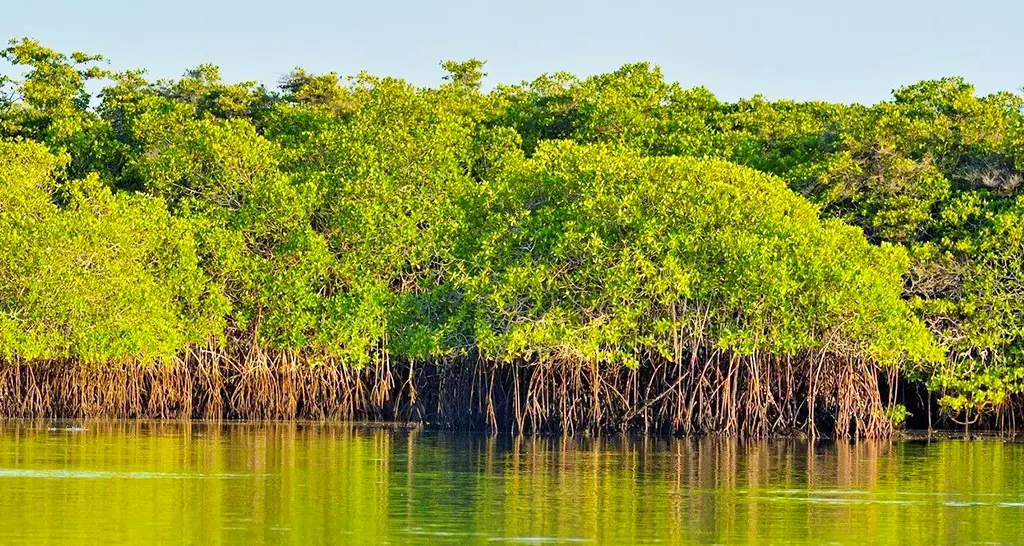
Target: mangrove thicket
[{"x": 563, "y": 255}]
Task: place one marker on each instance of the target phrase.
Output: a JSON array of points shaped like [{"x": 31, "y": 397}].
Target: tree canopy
[{"x": 598, "y": 220}]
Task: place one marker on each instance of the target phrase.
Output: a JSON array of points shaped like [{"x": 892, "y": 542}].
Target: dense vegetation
[{"x": 561, "y": 254}]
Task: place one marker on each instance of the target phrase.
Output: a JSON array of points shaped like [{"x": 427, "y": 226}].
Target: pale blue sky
[{"x": 857, "y": 50}]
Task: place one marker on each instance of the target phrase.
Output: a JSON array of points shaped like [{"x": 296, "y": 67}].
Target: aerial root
[{"x": 703, "y": 392}]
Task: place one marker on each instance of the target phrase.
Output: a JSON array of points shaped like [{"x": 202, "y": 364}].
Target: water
[{"x": 190, "y": 483}]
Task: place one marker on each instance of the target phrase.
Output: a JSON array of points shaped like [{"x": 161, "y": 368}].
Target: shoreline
[
  {"x": 87, "y": 424},
  {"x": 567, "y": 399}
]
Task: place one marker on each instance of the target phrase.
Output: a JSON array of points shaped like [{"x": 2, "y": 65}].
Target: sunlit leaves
[{"x": 580, "y": 219}]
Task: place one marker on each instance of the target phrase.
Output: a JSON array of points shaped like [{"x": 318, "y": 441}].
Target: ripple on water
[
  {"x": 537, "y": 540},
  {"x": 838, "y": 497},
  {"x": 101, "y": 475},
  {"x": 848, "y": 497}
]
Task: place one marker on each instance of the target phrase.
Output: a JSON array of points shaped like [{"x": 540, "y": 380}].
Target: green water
[{"x": 182, "y": 483}]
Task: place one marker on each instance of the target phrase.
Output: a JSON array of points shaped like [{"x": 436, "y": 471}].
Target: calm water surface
[{"x": 191, "y": 483}]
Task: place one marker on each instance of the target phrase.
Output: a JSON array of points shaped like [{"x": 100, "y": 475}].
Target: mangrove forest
[{"x": 566, "y": 255}]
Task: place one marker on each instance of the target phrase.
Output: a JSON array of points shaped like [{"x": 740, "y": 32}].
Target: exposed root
[{"x": 701, "y": 392}]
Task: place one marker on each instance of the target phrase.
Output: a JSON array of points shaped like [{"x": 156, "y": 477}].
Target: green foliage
[
  {"x": 593, "y": 254},
  {"x": 631, "y": 107},
  {"x": 897, "y": 414},
  {"x": 105, "y": 277},
  {"x": 937, "y": 171},
  {"x": 603, "y": 220}
]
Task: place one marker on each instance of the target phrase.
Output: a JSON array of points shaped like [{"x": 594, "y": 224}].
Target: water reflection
[{"x": 130, "y": 483}]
